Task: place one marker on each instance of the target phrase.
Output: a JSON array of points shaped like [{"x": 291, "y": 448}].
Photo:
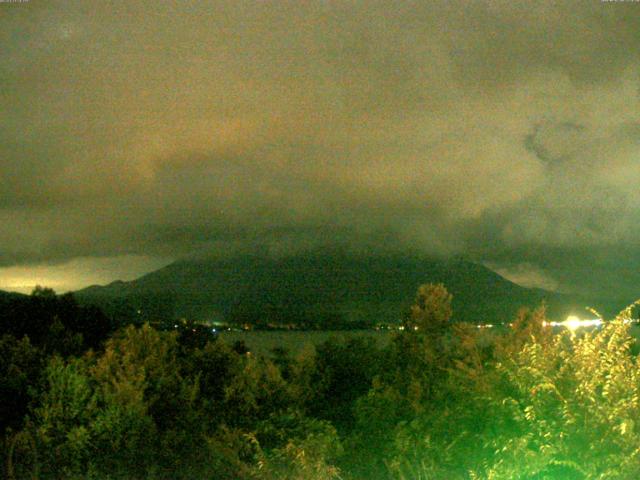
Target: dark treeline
[{"x": 84, "y": 397}]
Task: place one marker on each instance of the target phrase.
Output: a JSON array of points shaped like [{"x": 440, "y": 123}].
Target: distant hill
[
  {"x": 4, "y": 293},
  {"x": 317, "y": 290},
  {"x": 7, "y": 296}
]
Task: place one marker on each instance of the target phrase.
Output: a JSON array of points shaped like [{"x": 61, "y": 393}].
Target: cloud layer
[{"x": 508, "y": 131}]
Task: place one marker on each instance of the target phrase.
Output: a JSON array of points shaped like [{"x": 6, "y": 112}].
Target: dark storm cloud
[{"x": 164, "y": 129}]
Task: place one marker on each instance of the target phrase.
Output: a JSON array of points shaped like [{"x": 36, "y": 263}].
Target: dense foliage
[{"x": 443, "y": 400}]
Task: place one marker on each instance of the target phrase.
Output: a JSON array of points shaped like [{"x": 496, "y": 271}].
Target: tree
[
  {"x": 569, "y": 408},
  {"x": 294, "y": 447},
  {"x": 126, "y": 413},
  {"x": 254, "y": 392},
  {"x": 57, "y": 324},
  {"x": 43, "y": 292},
  {"x": 63, "y": 417},
  {"x": 431, "y": 310},
  {"x": 20, "y": 370},
  {"x": 423, "y": 351}
]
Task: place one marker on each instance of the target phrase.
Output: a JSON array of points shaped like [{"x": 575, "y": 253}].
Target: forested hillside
[{"x": 318, "y": 291}]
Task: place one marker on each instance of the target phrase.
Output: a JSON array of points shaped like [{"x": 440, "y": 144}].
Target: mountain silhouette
[{"x": 318, "y": 290}]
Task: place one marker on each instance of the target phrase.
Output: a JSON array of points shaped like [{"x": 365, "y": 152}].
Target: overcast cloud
[{"x": 506, "y": 131}]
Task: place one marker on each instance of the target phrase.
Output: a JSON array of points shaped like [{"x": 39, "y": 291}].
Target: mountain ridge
[{"x": 292, "y": 289}]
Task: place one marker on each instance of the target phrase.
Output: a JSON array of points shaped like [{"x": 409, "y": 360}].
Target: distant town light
[{"x": 573, "y": 323}]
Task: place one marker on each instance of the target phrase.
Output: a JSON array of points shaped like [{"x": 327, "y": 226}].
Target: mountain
[
  {"x": 7, "y": 296},
  {"x": 318, "y": 290}
]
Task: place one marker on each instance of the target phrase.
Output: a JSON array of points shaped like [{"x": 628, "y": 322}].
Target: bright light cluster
[{"x": 573, "y": 323}]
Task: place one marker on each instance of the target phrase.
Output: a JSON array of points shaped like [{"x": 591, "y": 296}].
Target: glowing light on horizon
[{"x": 573, "y": 323}]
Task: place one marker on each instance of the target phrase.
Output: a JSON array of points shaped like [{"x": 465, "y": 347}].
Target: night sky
[{"x": 136, "y": 132}]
